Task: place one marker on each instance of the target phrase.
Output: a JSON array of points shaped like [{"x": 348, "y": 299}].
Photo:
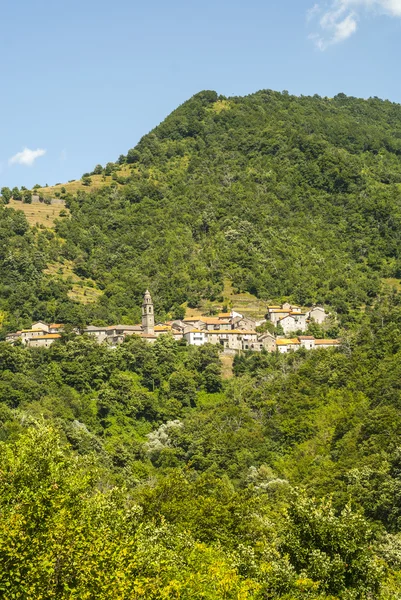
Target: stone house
[
  {"x": 232, "y": 339},
  {"x": 40, "y": 325},
  {"x": 249, "y": 338},
  {"x": 287, "y": 345},
  {"x": 267, "y": 341},
  {"x": 179, "y": 325},
  {"x": 307, "y": 342},
  {"x": 275, "y": 314},
  {"x": 224, "y": 316},
  {"x": 195, "y": 323},
  {"x": 148, "y": 337},
  {"x": 128, "y": 329},
  {"x": 318, "y": 315},
  {"x": 99, "y": 333},
  {"x": 293, "y": 322},
  {"x": 13, "y": 337},
  {"x": 43, "y": 341},
  {"x": 162, "y": 329},
  {"x": 29, "y": 334},
  {"x": 216, "y": 324},
  {"x": 245, "y": 323}
]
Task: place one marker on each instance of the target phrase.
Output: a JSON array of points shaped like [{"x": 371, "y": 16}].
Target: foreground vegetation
[{"x": 138, "y": 473}]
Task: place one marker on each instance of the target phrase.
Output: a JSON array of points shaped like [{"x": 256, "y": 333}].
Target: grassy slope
[
  {"x": 39, "y": 213},
  {"x": 72, "y": 187},
  {"x": 83, "y": 290}
]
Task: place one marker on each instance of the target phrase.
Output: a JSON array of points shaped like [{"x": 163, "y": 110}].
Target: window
[{"x": 150, "y": 309}]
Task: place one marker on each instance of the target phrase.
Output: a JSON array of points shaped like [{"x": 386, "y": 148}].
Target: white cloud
[
  {"x": 27, "y": 157},
  {"x": 338, "y": 19}
]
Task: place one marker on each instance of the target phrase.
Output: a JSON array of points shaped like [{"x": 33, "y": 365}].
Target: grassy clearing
[
  {"x": 244, "y": 303},
  {"x": 221, "y": 105},
  {"x": 72, "y": 187},
  {"x": 83, "y": 290},
  {"x": 393, "y": 283},
  {"x": 226, "y": 366},
  {"x": 39, "y": 213}
]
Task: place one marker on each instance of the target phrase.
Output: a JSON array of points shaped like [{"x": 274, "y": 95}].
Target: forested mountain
[
  {"x": 286, "y": 197},
  {"x": 139, "y": 472}
]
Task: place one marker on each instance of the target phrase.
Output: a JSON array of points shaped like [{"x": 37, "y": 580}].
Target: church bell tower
[{"x": 148, "y": 317}]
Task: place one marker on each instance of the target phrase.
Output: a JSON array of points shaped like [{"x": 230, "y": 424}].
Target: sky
[{"x": 83, "y": 81}]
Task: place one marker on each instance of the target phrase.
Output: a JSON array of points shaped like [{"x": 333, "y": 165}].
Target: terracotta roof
[
  {"x": 281, "y": 310},
  {"x": 306, "y": 337},
  {"x": 56, "y": 325},
  {"x": 31, "y": 330},
  {"x": 224, "y": 315},
  {"x": 162, "y": 328},
  {"x": 147, "y": 335},
  {"x": 214, "y": 321},
  {"x": 327, "y": 342},
  {"x": 291, "y": 342}
]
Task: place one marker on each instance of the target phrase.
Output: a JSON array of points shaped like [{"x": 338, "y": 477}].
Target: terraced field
[{"x": 39, "y": 213}]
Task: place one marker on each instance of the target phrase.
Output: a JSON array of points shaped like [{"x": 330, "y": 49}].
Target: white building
[
  {"x": 195, "y": 337},
  {"x": 287, "y": 345},
  {"x": 307, "y": 342}
]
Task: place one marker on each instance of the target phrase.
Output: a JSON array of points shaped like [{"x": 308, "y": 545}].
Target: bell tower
[{"x": 148, "y": 317}]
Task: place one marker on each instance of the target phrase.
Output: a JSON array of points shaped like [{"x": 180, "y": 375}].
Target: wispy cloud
[
  {"x": 27, "y": 157},
  {"x": 338, "y": 19}
]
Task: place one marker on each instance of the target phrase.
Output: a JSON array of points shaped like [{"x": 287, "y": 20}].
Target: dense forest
[
  {"x": 287, "y": 197},
  {"x": 139, "y": 471}
]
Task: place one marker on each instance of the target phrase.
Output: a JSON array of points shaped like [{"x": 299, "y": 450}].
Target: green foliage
[
  {"x": 287, "y": 197},
  {"x": 6, "y": 194},
  {"x": 98, "y": 170},
  {"x": 137, "y": 471},
  {"x": 86, "y": 180},
  {"x": 27, "y": 197},
  {"x": 153, "y": 477},
  {"x": 16, "y": 194}
]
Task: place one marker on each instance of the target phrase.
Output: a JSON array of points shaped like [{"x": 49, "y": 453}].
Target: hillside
[
  {"x": 164, "y": 470},
  {"x": 285, "y": 197}
]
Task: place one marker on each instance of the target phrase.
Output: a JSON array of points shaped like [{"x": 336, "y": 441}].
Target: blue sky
[{"x": 82, "y": 81}]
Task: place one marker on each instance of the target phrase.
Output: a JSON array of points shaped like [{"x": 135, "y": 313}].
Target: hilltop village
[{"x": 233, "y": 331}]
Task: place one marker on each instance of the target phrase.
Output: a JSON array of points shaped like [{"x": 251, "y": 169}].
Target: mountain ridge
[{"x": 287, "y": 197}]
